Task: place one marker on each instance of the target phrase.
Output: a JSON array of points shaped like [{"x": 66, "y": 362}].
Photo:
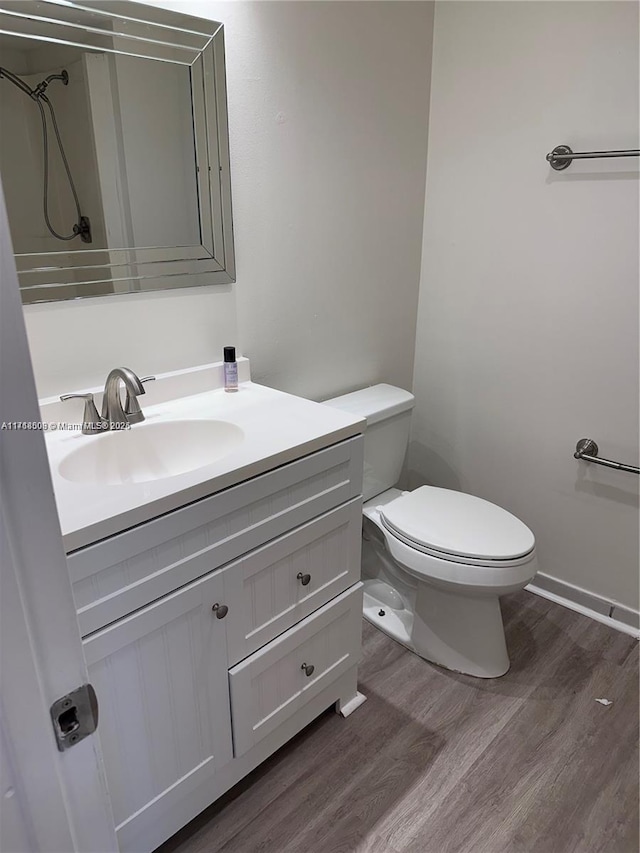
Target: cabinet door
[{"x": 161, "y": 680}]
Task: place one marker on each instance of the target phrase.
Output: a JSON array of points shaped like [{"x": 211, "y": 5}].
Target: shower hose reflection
[{"x": 82, "y": 227}]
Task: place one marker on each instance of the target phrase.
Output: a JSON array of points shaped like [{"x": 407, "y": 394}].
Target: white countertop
[{"x": 278, "y": 428}]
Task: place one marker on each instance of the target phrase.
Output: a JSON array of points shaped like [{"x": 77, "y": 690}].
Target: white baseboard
[{"x": 597, "y": 607}]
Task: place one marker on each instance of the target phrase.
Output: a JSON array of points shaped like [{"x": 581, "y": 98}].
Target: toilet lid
[{"x": 461, "y": 525}]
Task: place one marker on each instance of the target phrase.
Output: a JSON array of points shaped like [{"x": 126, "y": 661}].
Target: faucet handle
[
  {"x": 131, "y": 406},
  {"x": 92, "y": 422}
]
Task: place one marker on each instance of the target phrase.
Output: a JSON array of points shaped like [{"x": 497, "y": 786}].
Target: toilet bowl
[{"x": 435, "y": 561}]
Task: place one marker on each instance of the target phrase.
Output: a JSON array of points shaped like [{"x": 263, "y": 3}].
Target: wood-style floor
[{"x": 436, "y": 762}]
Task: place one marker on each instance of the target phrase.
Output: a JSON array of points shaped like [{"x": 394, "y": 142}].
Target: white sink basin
[{"x": 150, "y": 451}]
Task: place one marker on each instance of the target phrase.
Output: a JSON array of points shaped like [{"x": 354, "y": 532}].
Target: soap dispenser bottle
[{"x": 230, "y": 369}]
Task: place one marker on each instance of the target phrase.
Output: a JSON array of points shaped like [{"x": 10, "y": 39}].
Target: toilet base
[
  {"x": 396, "y": 622},
  {"x": 461, "y": 634}
]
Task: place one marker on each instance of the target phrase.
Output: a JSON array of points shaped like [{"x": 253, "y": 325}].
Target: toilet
[{"x": 434, "y": 561}]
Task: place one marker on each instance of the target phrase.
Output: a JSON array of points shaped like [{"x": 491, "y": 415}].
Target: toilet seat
[{"x": 458, "y": 528}]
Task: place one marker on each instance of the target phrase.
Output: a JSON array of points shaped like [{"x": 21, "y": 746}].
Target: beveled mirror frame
[{"x": 119, "y": 26}]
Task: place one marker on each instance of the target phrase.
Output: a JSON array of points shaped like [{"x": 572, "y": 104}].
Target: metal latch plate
[{"x": 75, "y": 716}]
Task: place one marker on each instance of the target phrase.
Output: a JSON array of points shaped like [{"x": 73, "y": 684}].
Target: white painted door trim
[{"x": 60, "y": 799}]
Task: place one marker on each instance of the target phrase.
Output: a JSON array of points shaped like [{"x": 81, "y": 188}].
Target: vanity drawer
[
  {"x": 272, "y": 684},
  {"x": 127, "y": 571},
  {"x": 275, "y": 586}
]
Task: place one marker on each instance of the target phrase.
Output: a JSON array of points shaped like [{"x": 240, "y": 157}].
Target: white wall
[
  {"x": 528, "y": 319},
  {"x": 328, "y": 106}
]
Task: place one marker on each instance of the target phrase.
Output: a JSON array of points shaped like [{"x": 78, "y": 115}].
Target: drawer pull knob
[
  {"x": 308, "y": 669},
  {"x": 220, "y": 610},
  {"x": 304, "y": 579}
]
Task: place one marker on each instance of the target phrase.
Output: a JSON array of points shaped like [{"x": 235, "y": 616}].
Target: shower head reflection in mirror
[{"x": 82, "y": 226}]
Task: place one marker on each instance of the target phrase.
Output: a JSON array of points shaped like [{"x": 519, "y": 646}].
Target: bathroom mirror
[{"x": 114, "y": 150}]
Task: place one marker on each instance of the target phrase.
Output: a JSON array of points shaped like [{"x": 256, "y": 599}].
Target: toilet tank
[{"x": 387, "y": 410}]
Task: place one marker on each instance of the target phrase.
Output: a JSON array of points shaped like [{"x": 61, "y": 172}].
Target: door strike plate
[{"x": 75, "y": 716}]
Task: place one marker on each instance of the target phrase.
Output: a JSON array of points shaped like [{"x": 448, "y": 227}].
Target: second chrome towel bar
[
  {"x": 587, "y": 450},
  {"x": 562, "y": 156}
]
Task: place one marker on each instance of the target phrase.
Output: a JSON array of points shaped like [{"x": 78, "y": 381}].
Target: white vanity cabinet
[{"x": 216, "y": 632}]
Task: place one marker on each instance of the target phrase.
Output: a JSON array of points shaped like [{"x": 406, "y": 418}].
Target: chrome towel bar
[
  {"x": 587, "y": 450},
  {"x": 562, "y": 156}
]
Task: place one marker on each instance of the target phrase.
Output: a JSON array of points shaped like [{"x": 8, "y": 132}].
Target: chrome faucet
[
  {"x": 114, "y": 414},
  {"x": 112, "y": 410}
]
